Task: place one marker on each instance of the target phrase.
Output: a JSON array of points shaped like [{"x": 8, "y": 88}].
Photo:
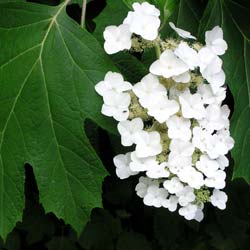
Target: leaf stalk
[{"x": 83, "y": 16}]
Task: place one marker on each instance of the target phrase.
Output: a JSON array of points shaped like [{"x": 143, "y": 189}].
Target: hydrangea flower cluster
[{"x": 174, "y": 117}]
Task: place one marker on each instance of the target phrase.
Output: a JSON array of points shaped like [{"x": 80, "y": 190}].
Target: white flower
[
  {"x": 207, "y": 166},
  {"x": 199, "y": 215},
  {"x": 179, "y": 147},
  {"x": 216, "y": 80},
  {"x": 122, "y": 166},
  {"x": 168, "y": 65},
  {"x": 186, "y": 196},
  {"x": 174, "y": 93},
  {"x": 219, "y": 199},
  {"x": 127, "y": 129},
  {"x": 147, "y": 90},
  {"x": 190, "y": 57},
  {"x": 192, "y": 177},
  {"x": 208, "y": 97},
  {"x": 216, "y": 118},
  {"x": 180, "y": 156},
  {"x": 155, "y": 196},
  {"x": 179, "y": 128},
  {"x": 214, "y": 40},
  {"x": 219, "y": 144},
  {"x": 206, "y": 93},
  {"x": 187, "y": 55},
  {"x": 226, "y": 139},
  {"x": 171, "y": 203},
  {"x": 116, "y": 105},
  {"x": 163, "y": 108},
  {"x": 148, "y": 144},
  {"x": 146, "y": 8},
  {"x": 173, "y": 186},
  {"x": 182, "y": 33},
  {"x": 215, "y": 145},
  {"x": 183, "y": 175},
  {"x": 144, "y": 20},
  {"x": 192, "y": 105},
  {"x": 158, "y": 171},
  {"x": 113, "y": 82},
  {"x": 177, "y": 163},
  {"x": 223, "y": 162},
  {"x": 117, "y": 38},
  {"x": 142, "y": 164},
  {"x": 217, "y": 181},
  {"x": 197, "y": 124},
  {"x": 210, "y": 63},
  {"x": 183, "y": 78},
  {"x": 220, "y": 95},
  {"x": 200, "y": 138},
  {"x": 115, "y": 101},
  {"x": 142, "y": 187},
  {"x": 189, "y": 211},
  {"x": 211, "y": 68}
]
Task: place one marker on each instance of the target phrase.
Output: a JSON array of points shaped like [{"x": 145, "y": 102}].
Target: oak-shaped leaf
[{"x": 48, "y": 68}]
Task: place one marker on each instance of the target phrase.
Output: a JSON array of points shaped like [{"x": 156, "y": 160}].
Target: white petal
[
  {"x": 182, "y": 33},
  {"x": 184, "y": 78}
]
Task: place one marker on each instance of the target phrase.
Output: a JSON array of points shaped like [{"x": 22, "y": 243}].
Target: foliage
[
  {"x": 44, "y": 105},
  {"x": 50, "y": 119}
]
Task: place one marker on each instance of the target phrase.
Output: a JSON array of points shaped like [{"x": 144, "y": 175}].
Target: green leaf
[
  {"x": 232, "y": 16},
  {"x": 167, "y": 8},
  {"x": 130, "y": 66},
  {"x": 48, "y": 69},
  {"x": 186, "y": 15},
  {"x": 129, "y": 3},
  {"x": 9, "y": 1},
  {"x": 104, "y": 19}
]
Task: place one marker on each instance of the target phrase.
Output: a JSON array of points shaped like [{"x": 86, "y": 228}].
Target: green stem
[
  {"x": 84, "y": 5},
  {"x": 158, "y": 50}
]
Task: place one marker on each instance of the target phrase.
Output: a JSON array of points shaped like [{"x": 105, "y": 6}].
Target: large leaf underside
[{"x": 48, "y": 68}]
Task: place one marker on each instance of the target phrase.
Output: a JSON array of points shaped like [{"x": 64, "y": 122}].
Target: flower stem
[
  {"x": 84, "y": 5},
  {"x": 158, "y": 50}
]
